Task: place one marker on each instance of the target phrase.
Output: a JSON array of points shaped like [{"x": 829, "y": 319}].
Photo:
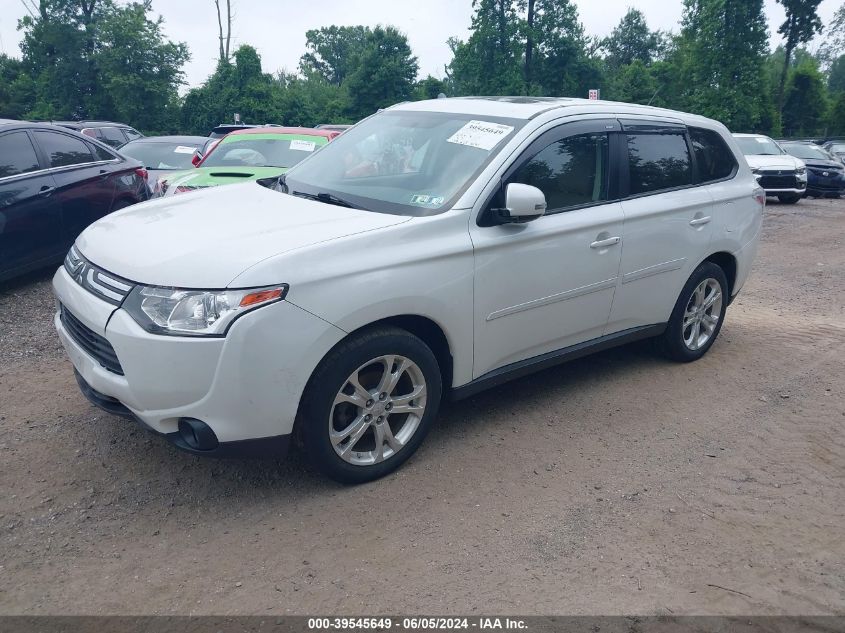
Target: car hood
[
  {"x": 823, "y": 164},
  {"x": 207, "y": 238},
  {"x": 783, "y": 161},
  {"x": 202, "y": 177}
]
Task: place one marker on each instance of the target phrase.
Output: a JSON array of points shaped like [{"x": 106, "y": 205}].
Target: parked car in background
[
  {"x": 163, "y": 155},
  {"x": 225, "y": 128},
  {"x": 835, "y": 147},
  {"x": 825, "y": 173},
  {"x": 436, "y": 249},
  {"x": 53, "y": 184},
  {"x": 337, "y": 127},
  {"x": 244, "y": 155},
  {"x": 114, "y": 134},
  {"x": 780, "y": 174}
]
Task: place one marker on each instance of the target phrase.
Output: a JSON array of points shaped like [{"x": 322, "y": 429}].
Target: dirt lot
[{"x": 620, "y": 483}]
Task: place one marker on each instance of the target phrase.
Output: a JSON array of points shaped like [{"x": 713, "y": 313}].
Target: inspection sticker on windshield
[
  {"x": 183, "y": 149},
  {"x": 303, "y": 146},
  {"x": 480, "y": 134},
  {"x": 427, "y": 200}
]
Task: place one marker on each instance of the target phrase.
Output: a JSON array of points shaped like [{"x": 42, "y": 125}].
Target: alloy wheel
[{"x": 702, "y": 314}]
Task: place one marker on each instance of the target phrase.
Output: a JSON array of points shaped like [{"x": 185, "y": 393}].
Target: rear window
[
  {"x": 658, "y": 162},
  {"x": 713, "y": 157},
  {"x": 159, "y": 155},
  {"x": 112, "y": 136},
  {"x": 17, "y": 155}
]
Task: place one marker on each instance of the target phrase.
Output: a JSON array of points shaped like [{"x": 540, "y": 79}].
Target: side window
[
  {"x": 101, "y": 153},
  {"x": 570, "y": 172},
  {"x": 713, "y": 158},
  {"x": 17, "y": 155},
  {"x": 112, "y": 136},
  {"x": 131, "y": 134},
  {"x": 658, "y": 161},
  {"x": 63, "y": 150}
]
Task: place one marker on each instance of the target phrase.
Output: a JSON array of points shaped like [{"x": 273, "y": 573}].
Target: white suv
[
  {"x": 435, "y": 249},
  {"x": 778, "y": 172}
]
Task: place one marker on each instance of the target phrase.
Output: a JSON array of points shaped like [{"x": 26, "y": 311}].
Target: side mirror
[
  {"x": 523, "y": 203},
  {"x": 197, "y": 157}
]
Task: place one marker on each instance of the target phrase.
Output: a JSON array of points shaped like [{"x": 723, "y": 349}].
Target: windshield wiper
[{"x": 327, "y": 198}]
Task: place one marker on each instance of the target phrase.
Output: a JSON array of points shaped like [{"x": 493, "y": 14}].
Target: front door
[{"x": 549, "y": 284}]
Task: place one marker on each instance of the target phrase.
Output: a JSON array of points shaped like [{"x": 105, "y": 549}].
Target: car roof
[
  {"x": 751, "y": 136},
  {"x": 198, "y": 140},
  {"x": 90, "y": 123},
  {"x": 305, "y": 131}
]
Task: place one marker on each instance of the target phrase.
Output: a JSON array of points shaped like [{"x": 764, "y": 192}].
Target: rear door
[
  {"x": 668, "y": 222},
  {"x": 83, "y": 180},
  {"x": 30, "y": 211}
]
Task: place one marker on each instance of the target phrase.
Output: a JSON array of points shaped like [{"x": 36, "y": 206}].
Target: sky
[{"x": 277, "y": 27}]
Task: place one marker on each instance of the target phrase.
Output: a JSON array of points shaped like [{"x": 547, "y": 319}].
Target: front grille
[
  {"x": 95, "y": 345},
  {"x": 783, "y": 179},
  {"x": 95, "y": 280}
]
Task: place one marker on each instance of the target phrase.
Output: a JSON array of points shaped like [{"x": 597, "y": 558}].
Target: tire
[
  {"x": 789, "y": 199},
  {"x": 344, "y": 430},
  {"x": 678, "y": 342}
]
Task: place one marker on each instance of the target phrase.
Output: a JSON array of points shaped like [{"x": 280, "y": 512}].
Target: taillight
[
  {"x": 760, "y": 196},
  {"x": 142, "y": 173}
]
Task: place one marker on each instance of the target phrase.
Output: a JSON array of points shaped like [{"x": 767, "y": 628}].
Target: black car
[
  {"x": 162, "y": 155},
  {"x": 53, "y": 184},
  {"x": 114, "y": 134},
  {"x": 224, "y": 128},
  {"x": 825, "y": 173}
]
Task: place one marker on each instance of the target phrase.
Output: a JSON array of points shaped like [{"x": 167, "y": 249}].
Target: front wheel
[
  {"x": 789, "y": 199},
  {"x": 698, "y": 314},
  {"x": 370, "y": 404}
]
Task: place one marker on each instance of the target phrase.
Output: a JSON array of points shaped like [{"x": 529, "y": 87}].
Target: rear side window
[
  {"x": 570, "y": 172},
  {"x": 131, "y": 134},
  {"x": 101, "y": 153},
  {"x": 112, "y": 136},
  {"x": 713, "y": 157},
  {"x": 17, "y": 155},
  {"x": 658, "y": 162},
  {"x": 63, "y": 150}
]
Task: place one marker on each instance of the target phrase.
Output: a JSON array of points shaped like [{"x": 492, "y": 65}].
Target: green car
[{"x": 246, "y": 155}]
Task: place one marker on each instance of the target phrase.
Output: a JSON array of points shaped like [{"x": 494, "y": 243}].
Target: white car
[
  {"x": 435, "y": 249},
  {"x": 779, "y": 173}
]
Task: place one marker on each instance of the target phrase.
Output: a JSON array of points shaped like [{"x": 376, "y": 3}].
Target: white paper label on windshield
[
  {"x": 303, "y": 146},
  {"x": 184, "y": 149},
  {"x": 480, "y": 134}
]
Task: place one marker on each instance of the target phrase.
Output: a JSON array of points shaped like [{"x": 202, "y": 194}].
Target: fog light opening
[{"x": 197, "y": 434}]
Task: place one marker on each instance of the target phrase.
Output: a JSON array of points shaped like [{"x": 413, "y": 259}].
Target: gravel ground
[{"x": 619, "y": 483}]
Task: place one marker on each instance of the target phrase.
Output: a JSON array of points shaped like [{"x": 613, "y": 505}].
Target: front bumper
[{"x": 245, "y": 386}]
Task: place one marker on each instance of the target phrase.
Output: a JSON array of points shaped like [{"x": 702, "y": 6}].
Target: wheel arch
[
  {"x": 424, "y": 328},
  {"x": 727, "y": 262}
]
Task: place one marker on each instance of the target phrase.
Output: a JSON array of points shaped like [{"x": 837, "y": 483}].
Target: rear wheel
[
  {"x": 369, "y": 404},
  {"x": 698, "y": 314},
  {"x": 789, "y": 199}
]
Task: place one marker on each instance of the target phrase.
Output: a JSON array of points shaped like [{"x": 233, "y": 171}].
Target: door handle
[
  {"x": 699, "y": 221},
  {"x": 610, "y": 241},
  {"x": 46, "y": 191}
]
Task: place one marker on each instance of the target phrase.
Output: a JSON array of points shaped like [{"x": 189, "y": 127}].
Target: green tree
[
  {"x": 805, "y": 105},
  {"x": 332, "y": 52},
  {"x": 719, "y": 59},
  {"x": 836, "y": 75},
  {"x": 100, "y": 59},
  {"x": 632, "y": 40},
  {"x": 384, "y": 73},
  {"x": 489, "y": 62},
  {"x": 430, "y": 88},
  {"x": 801, "y": 25},
  {"x": 634, "y": 83},
  {"x": 836, "y": 115},
  {"x": 17, "y": 90}
]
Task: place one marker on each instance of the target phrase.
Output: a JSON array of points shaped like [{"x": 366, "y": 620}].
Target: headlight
[
  {"x": 801, "y": 172},
  {"x": 195, "y": 312}
]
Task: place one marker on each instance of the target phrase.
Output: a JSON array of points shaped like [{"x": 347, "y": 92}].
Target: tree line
[{"x": 100, "y": 59}]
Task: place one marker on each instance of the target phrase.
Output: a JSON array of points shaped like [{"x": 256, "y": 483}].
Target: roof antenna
[{"x": 654, "y": 95}]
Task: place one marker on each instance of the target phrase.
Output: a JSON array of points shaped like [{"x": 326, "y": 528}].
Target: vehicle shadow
[
  {"x": 137, "y": 454},
  {"x": 24, "y": 282}
]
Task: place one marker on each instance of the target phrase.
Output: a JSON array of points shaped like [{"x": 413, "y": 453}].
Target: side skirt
[{"x": 550, "y": 359}]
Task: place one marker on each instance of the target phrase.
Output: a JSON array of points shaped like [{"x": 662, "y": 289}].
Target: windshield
[
  {"x": 263, "y": 150},
  {"x": 799, "y": 150},
  {"x": 407, "y": 163},
  {"x": 758, "y": 146},
  {"x": 837, "y": 147},
  {"x": 161, "y": 155}
]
